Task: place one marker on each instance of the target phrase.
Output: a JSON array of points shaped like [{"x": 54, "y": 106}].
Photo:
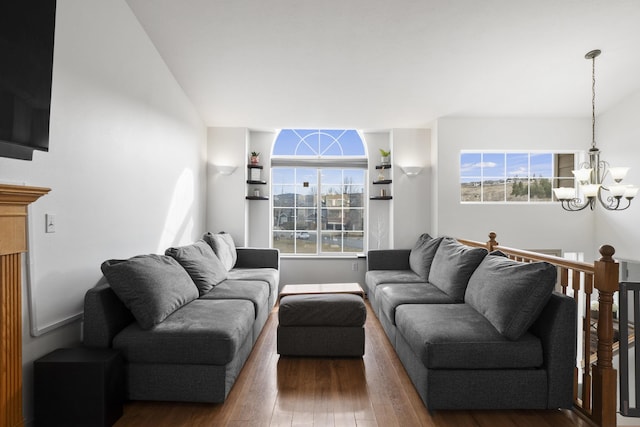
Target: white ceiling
[{"x": 379, "y": 64}]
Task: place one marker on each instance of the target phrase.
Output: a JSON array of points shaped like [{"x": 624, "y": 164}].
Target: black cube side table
[{"x": 79, "y": 387}]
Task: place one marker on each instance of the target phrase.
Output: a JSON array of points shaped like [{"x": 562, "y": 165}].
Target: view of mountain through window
[{"x": 514, "y": 177}]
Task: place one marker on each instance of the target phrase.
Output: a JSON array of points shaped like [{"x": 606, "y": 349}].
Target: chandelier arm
[
  {"x": 611, "y": 204},
  {"x": 576, "y": 205}
]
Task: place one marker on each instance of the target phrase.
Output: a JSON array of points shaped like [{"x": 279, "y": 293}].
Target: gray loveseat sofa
[
  {"x": 185, "y": 321},
  {"x": 475, "y": 330}
]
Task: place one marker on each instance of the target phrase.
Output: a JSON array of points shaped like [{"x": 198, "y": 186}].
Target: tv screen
[{"x": 26, "y": 63}]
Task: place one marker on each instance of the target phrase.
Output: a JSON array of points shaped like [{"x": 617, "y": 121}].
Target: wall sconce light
[
  {"x": 411, "y": 170},
  {"x": 225, "y": 169}
]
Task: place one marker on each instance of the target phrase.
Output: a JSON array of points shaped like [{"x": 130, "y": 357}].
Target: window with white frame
[
  {"x": 318, "y": 179},
  {"x": 513, "y": 176}
]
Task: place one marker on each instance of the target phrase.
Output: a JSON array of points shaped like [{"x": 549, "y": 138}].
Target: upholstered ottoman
[{"x": 321, "y": 325}]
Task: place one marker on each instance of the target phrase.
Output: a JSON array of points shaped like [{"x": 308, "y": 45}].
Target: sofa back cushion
[
  {"x": 202, "y": 264},
  {"x": 453, "y": 265},
  {"x": 421, "y": 256},
  {"x": 224, "y": 247},
  {"x": 150, "y": 286},
  {"x": 510, "y": 294}
]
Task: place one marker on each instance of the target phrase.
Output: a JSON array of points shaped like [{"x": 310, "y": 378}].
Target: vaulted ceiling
[{"x": 379, "y": 64}]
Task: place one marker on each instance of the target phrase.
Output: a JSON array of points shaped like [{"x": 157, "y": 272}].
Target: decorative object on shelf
[
  {"x": 255, "y": 157},
  {"x": 256, "y": 192},
  {"x": 385, "y": 156},
  {"x": 225, "y": 169},
  {"x": 381, "y": 176},
  {"x": 411, "y": 170},
  {"x": 592, "y": 173},
  {"x": 255, "y": 174}
]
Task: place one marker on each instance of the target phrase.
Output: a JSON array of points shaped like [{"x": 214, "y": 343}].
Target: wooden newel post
[
  {"x": 604, "y": 376},
  {"x": 491, "y": 244}
]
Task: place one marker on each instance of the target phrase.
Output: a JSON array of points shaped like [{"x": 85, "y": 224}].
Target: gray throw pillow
[
  {"x": 421, "y": 256},
  {"x": 223, "y": 246},
  {"x": 202, "y": 264},
  {"x": 150, "y": 286},
  {"x": 510, "y": 294},
  {"x": 453, "y": 265}
]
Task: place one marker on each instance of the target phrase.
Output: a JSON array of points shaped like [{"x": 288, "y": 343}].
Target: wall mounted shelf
[
  {"x": 257, "y": 198},
  {"x": 382, "y": 181},
  {"x": 381, "y": 198}
]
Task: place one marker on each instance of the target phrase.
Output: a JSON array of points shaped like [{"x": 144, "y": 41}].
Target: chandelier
[{"x": 591, "y": 174}]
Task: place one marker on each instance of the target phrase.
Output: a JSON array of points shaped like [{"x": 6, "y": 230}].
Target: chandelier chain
[{"x": 593, "y": 102}]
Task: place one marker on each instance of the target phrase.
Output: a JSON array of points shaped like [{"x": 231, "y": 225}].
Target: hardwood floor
[{"x": 287, "y": 391}]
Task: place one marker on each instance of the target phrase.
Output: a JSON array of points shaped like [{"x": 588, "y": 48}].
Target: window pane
[
  {"x": 283, "y": 196},
  {"x": 540, "y": 189},
  {"x": 541, "y": 164},
  {"x": 331, "y": 242},
  {"x": 493, "y": 190},
  {"x": 493, "y": 165},
  {"x": 470, "y": 164},
  {"x": 306, "y": 219},
  {"x": 519, "y": 191},
  {"x": 353, "y": 242},
  {"x": 470, "y": 190},
  {"x": 517, "y": 165},
  {"x": 353, "y": 219}
]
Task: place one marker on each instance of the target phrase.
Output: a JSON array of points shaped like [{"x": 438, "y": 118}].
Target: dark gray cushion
[
  {"x": 421, "y": 256},
  {"x": 255, "y": 291},
  {"x": 322, "y": 310},
  {"x": 204, "y": 332},
  {"x": 510, "y": 294},
  {"x": 224, "y": 247},
  {"x": 269, "y": 275},
  {"x": 202, "y": 264},
  {"x": 391, "y": 295},
  {"x": 455, "y": 336},
  {"x": 453, "y": 265},
  {"x": 151, "y": 286}
]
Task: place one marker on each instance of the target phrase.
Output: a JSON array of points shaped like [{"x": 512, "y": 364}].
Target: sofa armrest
[
  {"x": 388, "y": 259},
  {"x": 258, "y": 258},
  {"x": 104, "y": 316},
  {"x": 557, "y": 329}
]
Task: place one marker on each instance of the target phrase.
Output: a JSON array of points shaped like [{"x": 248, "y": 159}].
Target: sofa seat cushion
[
  {"x": 255, "y": 291},
  {"x": 391, "y": 295},
  {"x": 455, "y": 336},
  {"x": 269, "y": 275},
  {"x": 203, "y": 332},
  {"x": 375, "y": 278}
]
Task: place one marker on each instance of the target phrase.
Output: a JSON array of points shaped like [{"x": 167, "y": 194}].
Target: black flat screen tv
[{"x": 26, "y": 63}]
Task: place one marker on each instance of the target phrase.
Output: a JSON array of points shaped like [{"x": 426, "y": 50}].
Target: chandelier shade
[{"x": 591, "y": 175}]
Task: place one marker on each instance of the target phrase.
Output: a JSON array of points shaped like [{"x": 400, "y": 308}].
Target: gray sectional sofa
[
  {"x": 185, "y": 321},
  {"x": 475, "y": 330}
]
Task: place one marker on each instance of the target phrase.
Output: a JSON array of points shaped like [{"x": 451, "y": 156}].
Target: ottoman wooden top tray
[{"x": 322, "y": 288}]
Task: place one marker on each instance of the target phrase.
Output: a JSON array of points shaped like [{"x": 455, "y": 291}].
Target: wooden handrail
[{"x": 597, "y": 398}]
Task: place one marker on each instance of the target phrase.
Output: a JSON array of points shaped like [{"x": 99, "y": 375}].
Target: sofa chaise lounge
[
  {"x": 186, "y": 321},
  {"x": 475, "y": 330}
]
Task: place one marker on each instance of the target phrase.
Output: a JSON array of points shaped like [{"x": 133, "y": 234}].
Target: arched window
[{"x": 318, "y": 188}]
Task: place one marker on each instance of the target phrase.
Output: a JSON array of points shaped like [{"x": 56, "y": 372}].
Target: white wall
[
  {"x": 530, "y": 226},
  {"x": 412, "y": 194},
  {"x": 618, "y": 137},
  {"x": 226, "y": 205},
  {"x": 126, "y": 166}
]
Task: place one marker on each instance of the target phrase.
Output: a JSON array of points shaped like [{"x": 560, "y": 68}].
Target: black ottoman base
[
  {"x": 321, "y": 325},
  {"x": 337, "y": 341}
]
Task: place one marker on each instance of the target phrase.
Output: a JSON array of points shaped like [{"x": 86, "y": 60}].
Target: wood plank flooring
[{"x": 364, "y": 392}]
